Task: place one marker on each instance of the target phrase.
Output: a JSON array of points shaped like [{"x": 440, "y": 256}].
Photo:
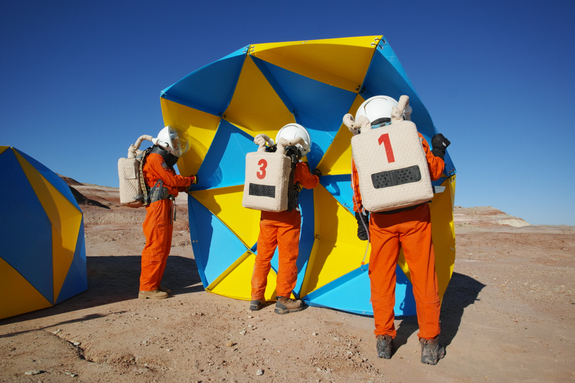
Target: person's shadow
[
  {"x": 461, "y": 292},
  {"x": 115, "y": 279}
]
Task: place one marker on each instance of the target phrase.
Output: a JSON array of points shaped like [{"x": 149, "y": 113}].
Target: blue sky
[{"x": 81, "y": 80}]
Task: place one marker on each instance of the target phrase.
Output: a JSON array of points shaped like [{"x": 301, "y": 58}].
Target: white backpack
[
  {"x": 133, "y": 190},
  {"x": 267, "y": 182},
  {"x": 392, "y": 167}
]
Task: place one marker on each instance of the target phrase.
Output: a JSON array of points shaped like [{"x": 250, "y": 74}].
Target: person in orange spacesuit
[
  {"x": 283, "y": 229},
  {"x": 164, "y": 185},
  {"x": 410, "y": 228}
]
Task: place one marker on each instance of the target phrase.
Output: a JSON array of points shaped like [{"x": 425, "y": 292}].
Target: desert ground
[{"x": 508, "y": 315}]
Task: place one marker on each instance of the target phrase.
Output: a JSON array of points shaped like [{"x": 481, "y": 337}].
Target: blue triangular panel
[
  {"x": 307, "y": 235},
  {"x": 22, "y": 214},
  {"x": 225, "y": 161},
  {"x": 76, "y": 280},
  {"x": 352, "y": 293},
  {"x": 53, "y": 178},
  {"x": 316, "y": 105},
  {"x": 340, "y": 187},
  {"x": 209, "y": 88},
  {"x": 385, "y": 76},
  {"x": 215, "y": 246}
]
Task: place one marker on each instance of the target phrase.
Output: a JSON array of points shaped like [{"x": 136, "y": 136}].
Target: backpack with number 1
[{"x": 392, "y": 167}]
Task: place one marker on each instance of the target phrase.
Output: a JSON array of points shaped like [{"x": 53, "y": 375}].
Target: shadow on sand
[
  {"x": 461, "y": 292},
  {"x": 116, "y": 279}
]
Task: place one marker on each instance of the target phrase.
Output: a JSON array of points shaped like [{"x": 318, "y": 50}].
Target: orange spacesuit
[
  {"x": 411, "y": 228},
  {"x": 158, "y": 224},
  {"x": 280, "y": 229}
]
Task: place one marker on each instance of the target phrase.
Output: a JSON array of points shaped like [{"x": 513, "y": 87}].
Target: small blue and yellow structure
[{"x": 42, "y": 248}]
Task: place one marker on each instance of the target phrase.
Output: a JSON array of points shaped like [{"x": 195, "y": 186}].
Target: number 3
[{"x": 262, "y": 173}]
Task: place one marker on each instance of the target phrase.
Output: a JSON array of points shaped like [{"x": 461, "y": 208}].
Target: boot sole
[
  {"x": 287, "y": 311},
  {"x": 431, "y": 361},
  {"x": 147, "y": 297},
  {"x": 383, "y": 355}
]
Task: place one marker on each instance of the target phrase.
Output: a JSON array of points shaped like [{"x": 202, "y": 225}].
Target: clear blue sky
[{"x": 81, "y": 80}]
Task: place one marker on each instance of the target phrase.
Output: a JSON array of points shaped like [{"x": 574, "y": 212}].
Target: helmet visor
[{"x": 179, "y": 144}]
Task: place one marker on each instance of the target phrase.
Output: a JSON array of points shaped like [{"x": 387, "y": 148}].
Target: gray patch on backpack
[
  {"x": 262, "y": 190},
  {"x": 396, "y": 177}
]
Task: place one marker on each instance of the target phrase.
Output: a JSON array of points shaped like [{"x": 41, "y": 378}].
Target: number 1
[{"x": 384, "y": 138}]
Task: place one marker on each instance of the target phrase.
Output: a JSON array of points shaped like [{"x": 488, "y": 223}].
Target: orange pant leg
[
  {"x": 288, "y": 239},
  {"x": 382, "y": 266},
  {"x": 277, "y": 229},
  {"x": 418, "y": 250},
  {"x": 158, "y": 229},
  {"x": 267, "y": 243},
  {"x": 412, "y": 230}
]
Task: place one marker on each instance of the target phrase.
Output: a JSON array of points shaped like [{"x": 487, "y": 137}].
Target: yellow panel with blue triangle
[
  {"x": 443, "y": 233},
  {"x": 255, "y": 106},
  {"x": 187, "y": 120},
  {"x": 235, "y": 282},
  {"x": 340, "y": 62},
  {"x": 337, "y": 250},
  {"x": 226, "y": 204}
]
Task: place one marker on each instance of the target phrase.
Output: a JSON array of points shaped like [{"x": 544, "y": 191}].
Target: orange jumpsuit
[
  {"x": 280, "y": 229},
  {"x": 410, "y": 229},
  {"x": 158, "y": 224}
]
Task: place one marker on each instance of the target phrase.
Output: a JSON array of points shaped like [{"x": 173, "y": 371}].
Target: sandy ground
[{"x": 508, "y": 316}]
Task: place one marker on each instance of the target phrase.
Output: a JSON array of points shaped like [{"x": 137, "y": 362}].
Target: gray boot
[
  {"x": 256, "y": 304},
  {"x": 384, "y": 346},
  {"x": 287, "y": 305},
  {"x": 431, "y": 350}
]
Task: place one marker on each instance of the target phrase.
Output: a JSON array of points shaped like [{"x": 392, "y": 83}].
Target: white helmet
[
  {"x": 169, "y": 139},
  {"x": 291, "y": 132},
  {"x": 377, "y": 109}
]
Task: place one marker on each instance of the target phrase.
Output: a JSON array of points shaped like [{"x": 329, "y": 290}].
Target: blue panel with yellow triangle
[{"x": 224, "y": 164}]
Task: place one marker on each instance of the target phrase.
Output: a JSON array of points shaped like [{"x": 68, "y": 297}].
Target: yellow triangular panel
[
  {"x": 443, "y": 233},
  {"x": 226, "y": 204},
  {"x": 337, "y": 158},
  {"x": 65, "y": 219},
  {"x": 186, "y": 120},
  {"x": 20, "y": 296},
  {"x": 342, "y": 63},
  {"x": 336, "y": 250},
  {"x": 3, "y": 148},
  {"x": 235, "y": 282},
  {"x": 255, "y": 107}
]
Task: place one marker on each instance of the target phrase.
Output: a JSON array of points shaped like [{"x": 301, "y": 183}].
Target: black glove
[
  {"x": 194, "y": 181},
  {"x": 439, "y": 144},
  {"x": 362, "y": 225},
  {"x": 316, "y": 172}
]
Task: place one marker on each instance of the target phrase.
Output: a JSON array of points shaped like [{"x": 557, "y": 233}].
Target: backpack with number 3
[
  {"x": 267, "y": 178},
  {"x": 392, "y": 167}
]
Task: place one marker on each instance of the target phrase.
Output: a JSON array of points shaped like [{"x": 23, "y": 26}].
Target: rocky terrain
[{"x": 508, "y": 315}]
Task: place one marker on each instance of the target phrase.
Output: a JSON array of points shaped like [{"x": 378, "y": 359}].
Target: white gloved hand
[
  {"x": 261, "y": 140},
  {"x": 355, "y": 126},
  {"x": 401, "y": 110}
]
